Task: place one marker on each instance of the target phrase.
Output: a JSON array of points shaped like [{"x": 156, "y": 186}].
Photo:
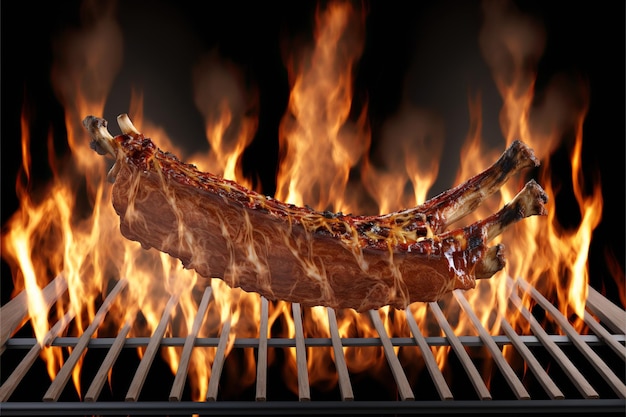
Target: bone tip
[
  {"x": 540, "y": 196},
  {"x": 97, "y": 126},
  {"x": 92, "y": 122},
  {"x": 493, "y": 261},
  {"x": 126, "y": 125},
  {"x": 534, "y": 198},
  {"x": 526, "y": 152},
  {"x": 101, "y": 140}
]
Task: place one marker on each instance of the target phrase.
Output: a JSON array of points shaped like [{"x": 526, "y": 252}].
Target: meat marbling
[{"x": 223, "y": 230}]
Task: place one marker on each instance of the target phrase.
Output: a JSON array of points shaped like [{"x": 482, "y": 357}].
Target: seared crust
[{"x": 222, "y": 230}]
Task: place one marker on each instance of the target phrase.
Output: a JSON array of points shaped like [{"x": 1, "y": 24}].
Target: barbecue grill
[
  {"x": 563, "y": 371},
  {"x": 541, "y": 363}
]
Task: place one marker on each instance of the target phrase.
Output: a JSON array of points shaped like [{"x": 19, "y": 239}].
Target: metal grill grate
[{"x": 598, "y": 385}]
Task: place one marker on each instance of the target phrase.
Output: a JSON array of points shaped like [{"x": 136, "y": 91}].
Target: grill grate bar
[
  {"x": 466, "y": 361},
  {"x": 542, "y": 376},
  {"x": 57, "y": 386},
  {"x": 522, "y": 343},
  {"x": 218, "y": 361},
  {"x": 148, "y": 356},
  {"x": 609, "y": 313},
  {"x": 508, "y": 373},
  {"x": 429, "y": 358},
  {"x": 345, "y": 387},
  {"x": 15, "y": 312},
  {"x": 183, "y": 365},
  {"x": 568, "y": 367},
  {"x": 261, "y": 372},
  {"x": 609, "y": 376},
  {"x": 404, "y": 388},
  {"x": 280, "y": 342},
  {"x": 24, "y": 366},
  {"x": 605, "y": 336},
  {"x": 304, "y": 392},
  {"x": 273, "y": 408},
  {"x": 101, "y": 376}
]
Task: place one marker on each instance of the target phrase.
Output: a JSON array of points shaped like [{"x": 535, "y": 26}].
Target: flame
[
  {"x": 408, "y": 157},
  {"x": 559, "y": 267},
  {"x": 21, "y": 228},
  {"x": 71, "y": 227},
  {"x": 230, "y": 114},
  {"x": 316, "y": 134},
  {"x": 328, "y": 161}
]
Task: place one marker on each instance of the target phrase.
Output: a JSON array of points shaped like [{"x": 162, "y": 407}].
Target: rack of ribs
[{"x": 285, "y": 252}]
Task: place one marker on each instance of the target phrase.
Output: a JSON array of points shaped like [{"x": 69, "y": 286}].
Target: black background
[
  {"x": 432, "y": 44},
  {"x": 427, "y": 50}
]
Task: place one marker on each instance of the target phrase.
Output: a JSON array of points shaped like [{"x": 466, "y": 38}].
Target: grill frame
[
  {"x": 153, "y": 408},
  {"x": 409, "y": 403}
]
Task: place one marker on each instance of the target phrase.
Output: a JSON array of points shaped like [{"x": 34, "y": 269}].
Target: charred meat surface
[{"x": 297, "y": 254}]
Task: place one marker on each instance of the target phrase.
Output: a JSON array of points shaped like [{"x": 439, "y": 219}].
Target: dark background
[{"x": 427, "y": 49}]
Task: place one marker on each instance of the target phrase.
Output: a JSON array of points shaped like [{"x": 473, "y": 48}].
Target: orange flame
[
  {"x": 21, "y": 228},
  {"x": 316, "y": 133},
  {"x": 70, "y": 226},
  {"x": 230, "y": 115},
  {"x": 559, "y": 255}
]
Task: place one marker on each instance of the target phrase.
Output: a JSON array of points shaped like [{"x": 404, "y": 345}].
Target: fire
[
  {"x": 410, "y": 148},
  {"x": 20, "y": 231},
  {"x": 317, "y": 135},
  {"x": 559, "y": 264},
  {"x": 328, "y": 160},
  {"x": 230, "y": 115}
]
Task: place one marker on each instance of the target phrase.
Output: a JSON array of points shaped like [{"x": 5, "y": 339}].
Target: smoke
[
  {"x": 87, "y": 59},
  {"x": 160, "y": 49},
  {"x": 413, "y": 144},
  {"x": 219, "y": 92},
  {"x": 446, "y": 77},
  {"x": 513, "y": 44}
]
